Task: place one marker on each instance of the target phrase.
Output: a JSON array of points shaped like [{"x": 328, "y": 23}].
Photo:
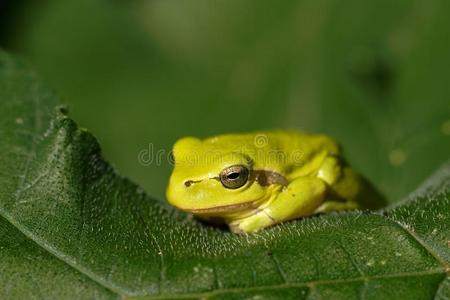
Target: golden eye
[{"x": 234, "y": 177}]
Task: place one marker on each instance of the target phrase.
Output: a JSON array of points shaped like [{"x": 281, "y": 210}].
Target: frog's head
[{"x": 213, "y": 178}]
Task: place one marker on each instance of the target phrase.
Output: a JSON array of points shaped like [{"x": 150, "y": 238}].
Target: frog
[{"x": 251, "y": 181}]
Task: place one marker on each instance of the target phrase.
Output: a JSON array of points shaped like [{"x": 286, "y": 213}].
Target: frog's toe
[
  {"x": 253, "y": 223},
  {"x": 234, "y": 228}
]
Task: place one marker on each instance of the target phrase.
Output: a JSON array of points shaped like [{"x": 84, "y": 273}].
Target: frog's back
[
  {"x": 286, "y": 151},
  {"x": 308, "y": 144},
  {"x": 305, "y": 152}
]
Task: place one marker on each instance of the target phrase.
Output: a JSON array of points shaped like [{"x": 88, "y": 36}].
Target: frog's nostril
[{"x": 188, "y": 183}]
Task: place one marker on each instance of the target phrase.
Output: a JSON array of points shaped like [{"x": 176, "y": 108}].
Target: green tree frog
[{"x": 254, "y": 180}]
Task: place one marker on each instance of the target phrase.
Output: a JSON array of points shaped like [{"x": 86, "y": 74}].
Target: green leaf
[{"x": 71, "y": 228}]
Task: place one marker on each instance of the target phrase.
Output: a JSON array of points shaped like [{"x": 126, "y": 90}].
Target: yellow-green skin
[{"x": 292, "y": 175}]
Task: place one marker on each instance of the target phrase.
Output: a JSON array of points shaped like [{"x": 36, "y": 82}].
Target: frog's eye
[{"x": 234, "y": 177}]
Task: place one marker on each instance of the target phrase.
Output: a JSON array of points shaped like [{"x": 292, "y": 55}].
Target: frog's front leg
[{"x": 300, "y": 198}]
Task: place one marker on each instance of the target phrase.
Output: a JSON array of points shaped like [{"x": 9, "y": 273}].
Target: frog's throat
[{"x": 263, "y": 177}]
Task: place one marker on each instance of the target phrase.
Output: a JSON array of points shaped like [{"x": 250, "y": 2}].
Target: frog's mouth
[{"x": 224, "y": 208}]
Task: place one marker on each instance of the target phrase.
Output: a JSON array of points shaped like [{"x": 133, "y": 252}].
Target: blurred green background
[{"x": 373, "y": 74}]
